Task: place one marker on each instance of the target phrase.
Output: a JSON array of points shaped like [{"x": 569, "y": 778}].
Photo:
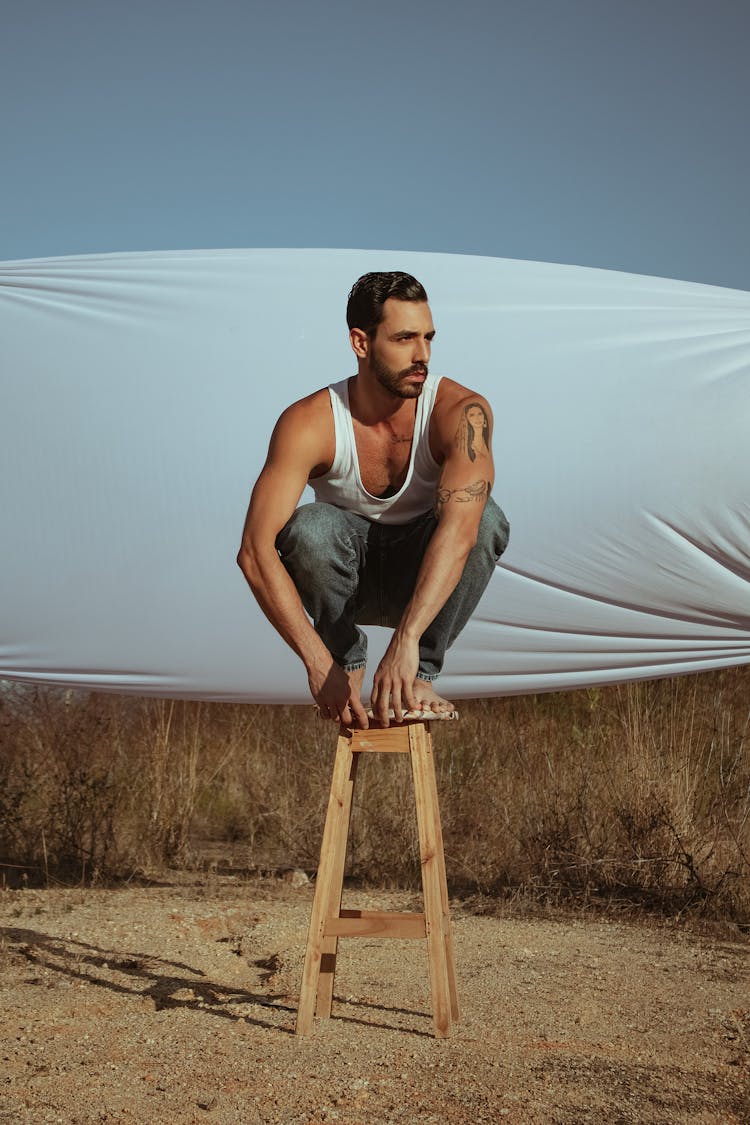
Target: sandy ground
[{"x": 176, "y": 1003}]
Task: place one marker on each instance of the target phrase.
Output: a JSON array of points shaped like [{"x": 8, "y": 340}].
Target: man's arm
[
  {"x": 463, "y": 430},
  {"x": 294, "y": 453}
]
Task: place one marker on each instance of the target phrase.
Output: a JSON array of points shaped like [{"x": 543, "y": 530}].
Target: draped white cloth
[{"x": 139, "y": 392}]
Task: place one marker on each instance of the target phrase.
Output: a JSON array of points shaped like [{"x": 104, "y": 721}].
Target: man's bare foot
[{"x": 429, "y": 700}]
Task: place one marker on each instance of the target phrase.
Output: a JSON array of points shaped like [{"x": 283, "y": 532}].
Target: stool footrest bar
[{"x": 376, "y": 923}]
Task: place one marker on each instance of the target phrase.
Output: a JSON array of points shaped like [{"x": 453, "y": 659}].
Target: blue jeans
[{"x": 350, "y": 571}]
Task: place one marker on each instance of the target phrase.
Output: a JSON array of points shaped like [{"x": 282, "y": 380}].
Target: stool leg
[
  {"x": 437, "y": 919},
  {"x": 329, "y": 945},
  {"x": 329, "y": 880},
  {"x": 448, "y": 933}
]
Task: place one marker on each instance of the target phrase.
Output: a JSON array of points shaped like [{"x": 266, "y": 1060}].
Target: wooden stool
[{"x": 329, "y": 922}]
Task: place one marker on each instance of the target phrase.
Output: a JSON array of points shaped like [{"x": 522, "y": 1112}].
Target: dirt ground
[{"x": 176, "y": 1003}]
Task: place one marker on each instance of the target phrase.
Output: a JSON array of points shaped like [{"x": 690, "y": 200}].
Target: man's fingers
[
  {"x": 410, "y": 699},
  {"x": 403, "y": 701},
  {"x": 400, "y": 700},
  {"x": 358, "y": 713},
  {"x": 332, "y": 711},
  {"x": 380, "y": 700},
  {"x": 397, "y": 694}
]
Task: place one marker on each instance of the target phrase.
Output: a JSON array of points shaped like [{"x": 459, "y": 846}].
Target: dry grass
[{"x": 637, "y": 793}]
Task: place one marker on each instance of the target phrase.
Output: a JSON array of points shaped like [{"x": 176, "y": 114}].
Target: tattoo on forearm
[
  {"x": 473, "y": 433},
  {"x": 478, "y": 492}
]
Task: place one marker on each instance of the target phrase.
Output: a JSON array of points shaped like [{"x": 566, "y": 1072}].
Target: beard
[{"x": 392, "y": 380}]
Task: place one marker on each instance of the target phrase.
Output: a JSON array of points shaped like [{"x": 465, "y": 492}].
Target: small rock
[{"x": 295, "y": 877}]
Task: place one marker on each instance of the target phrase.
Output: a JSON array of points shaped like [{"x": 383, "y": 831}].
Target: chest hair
[{"x": 383, "y": 453}]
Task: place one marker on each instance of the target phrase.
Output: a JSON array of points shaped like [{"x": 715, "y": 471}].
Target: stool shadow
[
  {"x": 145, "y": 976},
  {"x": 389, "y": 1008},
  {"x": 383, "y": 1007}
]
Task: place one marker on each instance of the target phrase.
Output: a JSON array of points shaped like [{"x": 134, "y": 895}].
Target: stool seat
[
  {"x": 418, "y": 716},
  {"x": 328, "y": 922}
]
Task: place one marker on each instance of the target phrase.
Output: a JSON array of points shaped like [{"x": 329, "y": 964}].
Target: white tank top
[{"x": 342, "y": 484}]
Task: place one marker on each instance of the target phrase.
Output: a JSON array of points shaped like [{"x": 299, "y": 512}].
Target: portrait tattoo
[
  {"x": 473, "y": 433},
  {"x": 477, "y": 492}
]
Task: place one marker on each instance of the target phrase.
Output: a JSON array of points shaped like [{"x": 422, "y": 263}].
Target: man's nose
[{"x": 421, "y": 351}]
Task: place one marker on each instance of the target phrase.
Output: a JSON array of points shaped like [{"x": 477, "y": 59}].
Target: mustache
[{"x": 417, "y": 369}]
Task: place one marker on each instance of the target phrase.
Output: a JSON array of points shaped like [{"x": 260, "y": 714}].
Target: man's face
[{"x": 400, "y": 350}]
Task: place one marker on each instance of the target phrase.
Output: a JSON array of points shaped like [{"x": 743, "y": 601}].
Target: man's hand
[
  {"x": 393, "y": 685},
  {"x": 336, "y": 696}
]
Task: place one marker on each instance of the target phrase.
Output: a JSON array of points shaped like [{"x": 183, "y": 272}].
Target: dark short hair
[{"x": 364, "y": 309}]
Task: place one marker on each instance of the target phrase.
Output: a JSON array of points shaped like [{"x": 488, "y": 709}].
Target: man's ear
[{"x": 360, "y": 342}]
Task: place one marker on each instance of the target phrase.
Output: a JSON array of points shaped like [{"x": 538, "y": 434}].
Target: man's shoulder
[
  {"x": 311, "y": 413},
  {"x": 451, "y": 395},
  {"x": 307, "y": 426}
]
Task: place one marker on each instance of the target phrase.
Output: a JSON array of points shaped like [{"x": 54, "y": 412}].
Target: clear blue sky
[{"x": 610, "y": 133}]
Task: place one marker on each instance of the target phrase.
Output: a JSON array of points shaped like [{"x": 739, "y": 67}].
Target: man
[{"x": 403, "y": 532}]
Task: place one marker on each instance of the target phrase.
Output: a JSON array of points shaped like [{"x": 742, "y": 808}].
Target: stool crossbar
[{"x": 329, "y": 922}]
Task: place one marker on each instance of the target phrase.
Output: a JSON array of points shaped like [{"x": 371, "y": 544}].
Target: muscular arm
[
  {"x": 464, "y": 432},
  {"x": 294, "y": 452}
]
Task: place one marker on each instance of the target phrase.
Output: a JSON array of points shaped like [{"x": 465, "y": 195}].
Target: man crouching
[{"x": 402, "y": 533}]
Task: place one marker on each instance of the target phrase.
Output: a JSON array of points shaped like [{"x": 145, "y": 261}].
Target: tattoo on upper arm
[
  {"x": 477, "y": 492},
  {"x": 473, "y": 433}
]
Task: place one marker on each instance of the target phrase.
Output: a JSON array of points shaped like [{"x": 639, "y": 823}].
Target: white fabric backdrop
[{"x": 139, "y": 391}]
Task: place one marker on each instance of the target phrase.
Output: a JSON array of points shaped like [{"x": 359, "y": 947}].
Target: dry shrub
[
  {"x": 63, "y": 780},
  {"x": 636, "y": 793}
]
